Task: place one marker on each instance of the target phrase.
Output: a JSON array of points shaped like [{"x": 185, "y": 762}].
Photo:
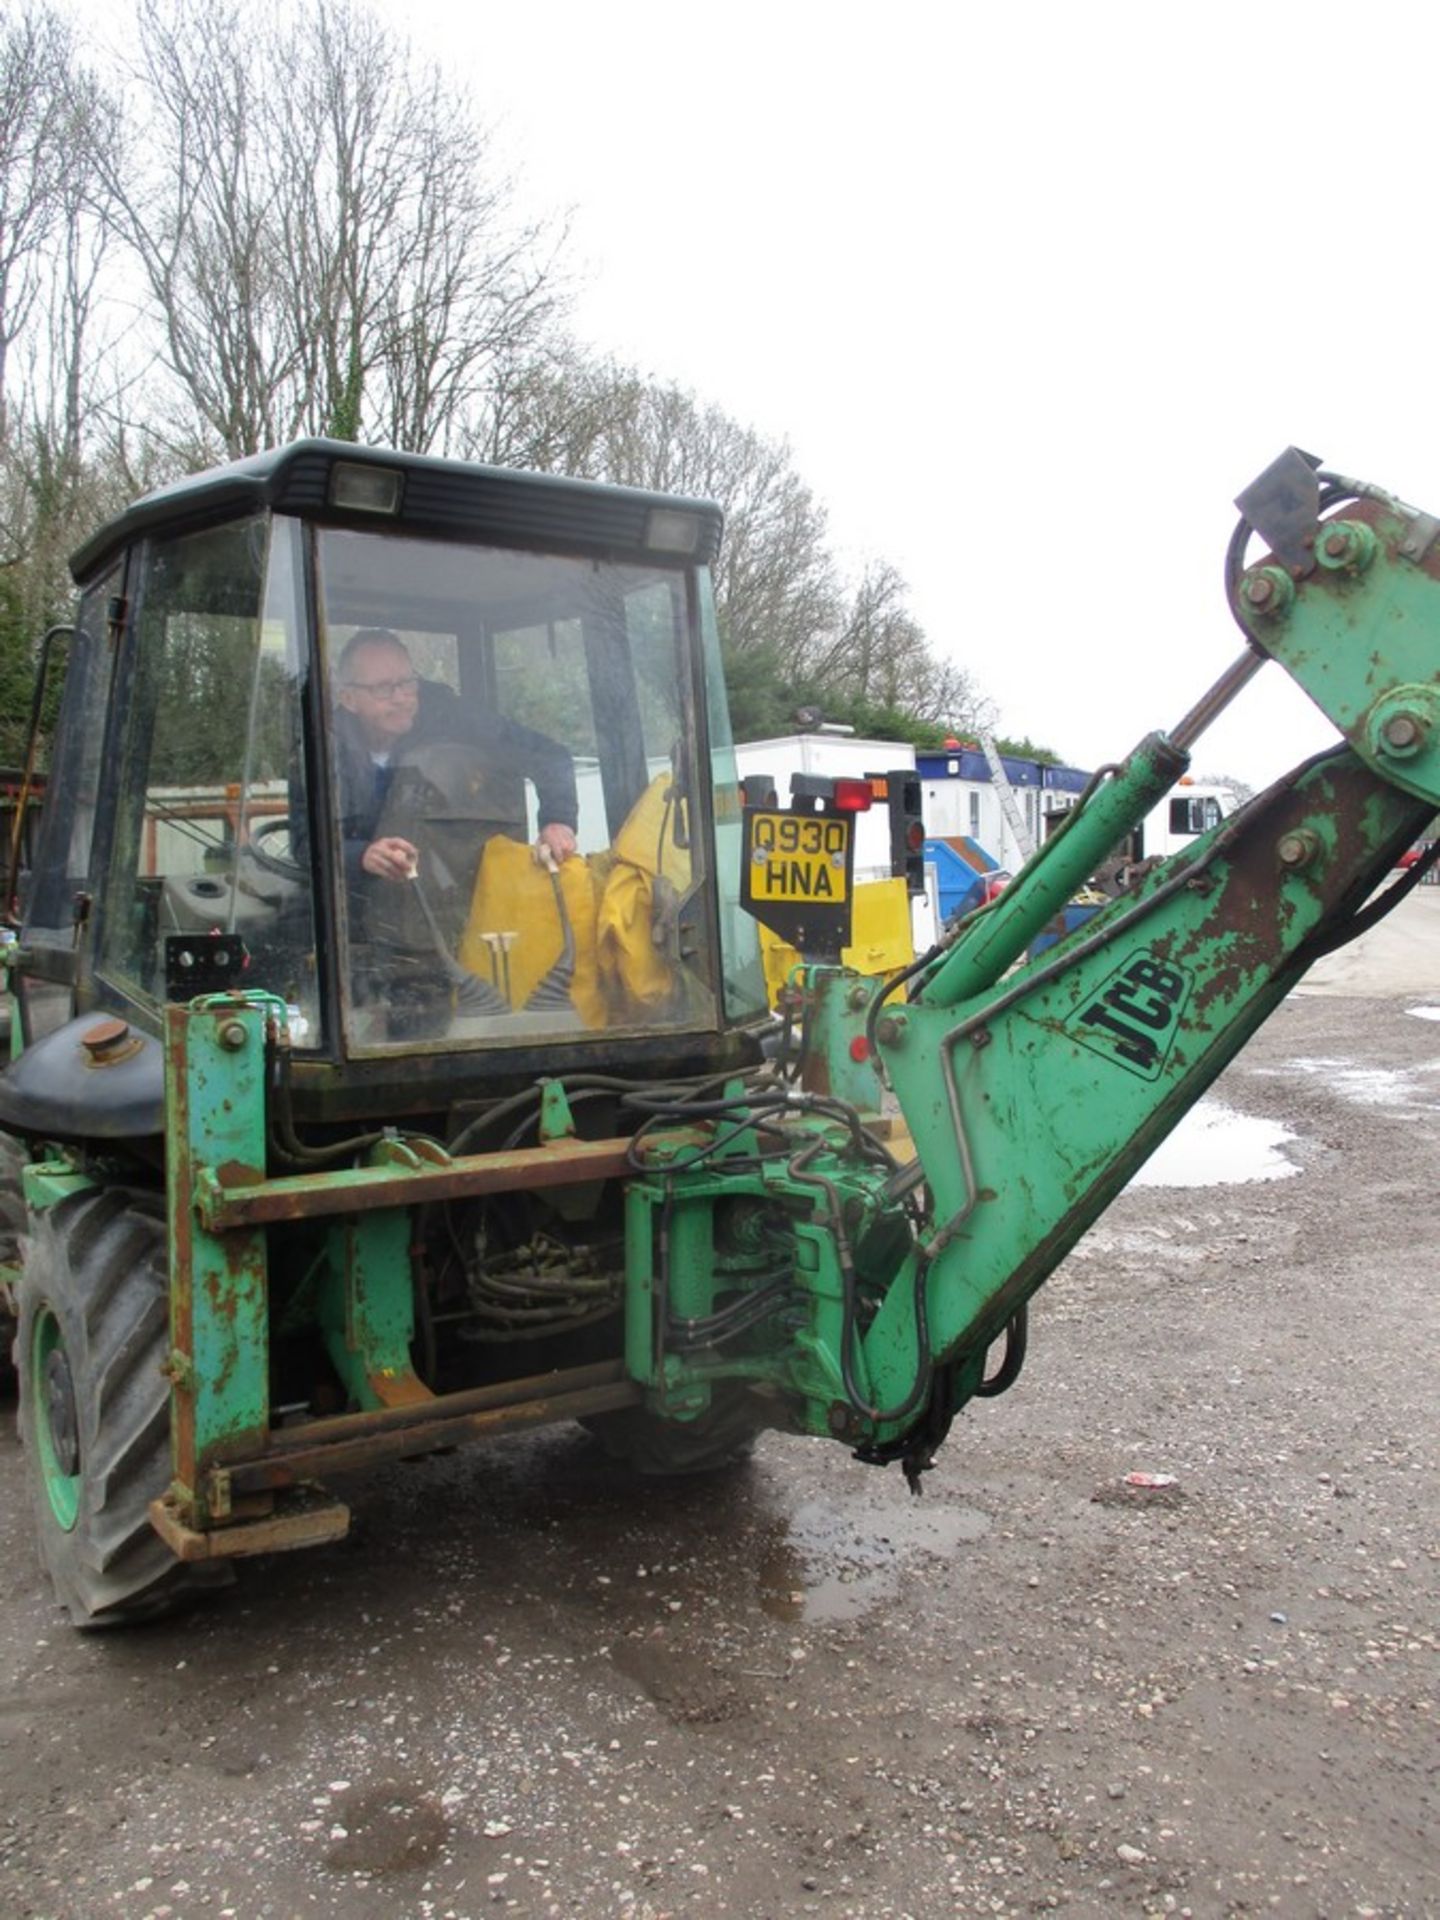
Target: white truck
[{"x": 1191, "y": 807}]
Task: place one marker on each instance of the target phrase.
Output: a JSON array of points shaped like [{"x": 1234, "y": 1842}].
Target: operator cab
[{"x": 281, "y": 664}]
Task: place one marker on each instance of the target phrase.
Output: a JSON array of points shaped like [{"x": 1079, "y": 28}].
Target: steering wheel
[{"x": 269, "y": 847}]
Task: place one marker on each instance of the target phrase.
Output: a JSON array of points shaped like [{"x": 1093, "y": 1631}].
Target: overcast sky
[{"x": 1032, "y": 291}]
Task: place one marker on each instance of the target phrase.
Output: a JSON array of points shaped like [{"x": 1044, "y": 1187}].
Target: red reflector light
[
  {"x": 859, "y": 1048},
  {"x": 853, "y": 796},
  {"x": 914, "y": 836}
]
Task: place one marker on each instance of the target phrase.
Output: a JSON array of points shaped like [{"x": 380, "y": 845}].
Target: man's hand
[
  {"x": 557, "y": 841},
  {"x": 390, "y": 859}
]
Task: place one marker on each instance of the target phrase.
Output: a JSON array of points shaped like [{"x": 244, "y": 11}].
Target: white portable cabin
[{"x": 960, "y": 799}]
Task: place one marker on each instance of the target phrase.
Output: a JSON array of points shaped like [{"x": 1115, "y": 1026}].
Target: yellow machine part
[
  {"x": 632, "y": 965},
  {"x": 610, "y": 900},
  {"x": 513, "y": 895},
  {"x": 880, "y": 936}
]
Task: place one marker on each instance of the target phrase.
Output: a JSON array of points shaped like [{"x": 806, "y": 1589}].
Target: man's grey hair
[{"x": 366, "y": 637}]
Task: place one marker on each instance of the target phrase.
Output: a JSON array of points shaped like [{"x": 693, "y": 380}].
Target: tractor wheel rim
[{"x": 57, "y": 1426}]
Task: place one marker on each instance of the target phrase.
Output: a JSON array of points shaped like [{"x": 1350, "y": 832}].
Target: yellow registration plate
[{"x": 798, "y": 858}]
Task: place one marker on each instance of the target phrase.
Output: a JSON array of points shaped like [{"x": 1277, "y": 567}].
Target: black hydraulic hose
[
  {"x": 1017, "y": 1338},
  {"x": 573, "y": 1083},
  {"x": 530, "y": 1097},
  {"x": 1335, "y": 489},
  {"x": 285, "y": 1142},
  {"x": 1370, "y": 915},
  {"x": 717, "y": 1328},
  {"x": 747, "y": 1123},
  {"x": 801, "y": 1171},
  {"x": 614, "y": 1083},
  {"x": 573, "y": 1099}
]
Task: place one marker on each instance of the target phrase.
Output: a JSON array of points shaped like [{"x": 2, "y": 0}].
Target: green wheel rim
[{"x": 53, "y": 1398}]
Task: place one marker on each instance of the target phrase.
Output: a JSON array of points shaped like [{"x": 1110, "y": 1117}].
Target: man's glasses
[{"x": 386, "y": 689}]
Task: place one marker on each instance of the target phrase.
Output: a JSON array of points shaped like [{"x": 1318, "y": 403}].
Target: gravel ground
[{"x": 528, "y": 1685}]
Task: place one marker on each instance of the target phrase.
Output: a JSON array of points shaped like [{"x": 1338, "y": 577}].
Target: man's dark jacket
[{"x": 375, "y": 801}]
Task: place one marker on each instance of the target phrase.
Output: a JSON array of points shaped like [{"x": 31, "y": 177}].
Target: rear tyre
[
  {"x": 722, "y": 1437},
  {"x": 12, "y": 1228},
  {"x": 94, "y": 1324}
]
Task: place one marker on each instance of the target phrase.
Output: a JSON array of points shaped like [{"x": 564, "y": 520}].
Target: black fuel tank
[{"x": 95, "y": 1078}]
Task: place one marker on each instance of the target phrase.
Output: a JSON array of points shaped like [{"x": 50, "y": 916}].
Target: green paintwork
[
  {"x": 219, "y": 1309},
  {"x": 838, "y": 1055},
  {"x": 1033, "y": 1092},
  {"x": 366, "y": 1309},
  {"x": 62, "y": 1489},
  {"x": 1356, "y": 635},
  {"x": 1061, "y": 867},
  {"x": 47, "y": 1182},
  {"x": 556, "y": 1120},
  {"x": 1069, "y": 1087}
]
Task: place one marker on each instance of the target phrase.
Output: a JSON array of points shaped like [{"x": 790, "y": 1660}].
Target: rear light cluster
[{"x": 852, "y": 796}]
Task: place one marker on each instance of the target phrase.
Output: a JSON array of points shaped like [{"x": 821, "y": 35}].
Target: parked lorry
[
  {"x": 394, "y": 1104},
  {"x": 1193, "y": 807}
]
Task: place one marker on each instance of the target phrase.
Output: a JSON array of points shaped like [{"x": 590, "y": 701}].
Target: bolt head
[
  {"x": 1259, "y": 591},
  {"x": 1402, "y": 731},
  {"x": 1294, "y": 849},
  {"x": 233, "y": 1036}
]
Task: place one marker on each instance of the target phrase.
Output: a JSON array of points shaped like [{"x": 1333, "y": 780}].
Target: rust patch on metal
[
  {"x": 359, "y": 1440},
  {"x": 307, "y": 1196},
  {"x": 109, "y": 1042},
  {"x": 400, "y": 1389},
  {"x": 307, "y": 1522},
  {"x": 235, "y": 1173}
]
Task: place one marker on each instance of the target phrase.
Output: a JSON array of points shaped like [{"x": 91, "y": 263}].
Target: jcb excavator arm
[{"x": 1033, "y": 1089}]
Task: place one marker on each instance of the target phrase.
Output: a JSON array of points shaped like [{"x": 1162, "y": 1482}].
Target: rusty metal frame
[
  {"x": 354, "y": 1440},
  {"x": 228, "y": 1197}
]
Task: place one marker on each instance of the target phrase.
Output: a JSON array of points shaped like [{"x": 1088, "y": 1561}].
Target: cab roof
[{"x": 452, "y": 499}]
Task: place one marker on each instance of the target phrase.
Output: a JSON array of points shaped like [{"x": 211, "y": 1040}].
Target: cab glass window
[
  {"x": 201, "y": 864},
  {"x": 515, "y": 805},
  {"x": 60, "y": 874},
  {"x": 62, "y": 866}
]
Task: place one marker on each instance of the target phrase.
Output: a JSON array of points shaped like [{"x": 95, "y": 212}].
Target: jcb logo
[{"x": 1134, "y": 1017}]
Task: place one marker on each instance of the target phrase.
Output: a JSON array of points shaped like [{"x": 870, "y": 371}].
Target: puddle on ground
[
  {"x": 1214, "y": 1146},
  {"x": 827, "y": 1563}
]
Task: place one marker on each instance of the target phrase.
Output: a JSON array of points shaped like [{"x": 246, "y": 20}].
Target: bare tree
[
  {"x": 324, "y": 241},
  {"x": 36, "y": 166},
  {"x": 775, "y": 583},
  {"x": 880, "y": 656},
  {"x": 61, "y": 382},
  {"x": 792, "y": 632}
]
